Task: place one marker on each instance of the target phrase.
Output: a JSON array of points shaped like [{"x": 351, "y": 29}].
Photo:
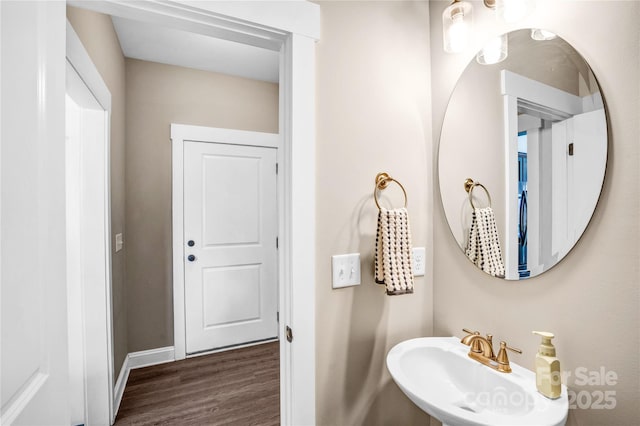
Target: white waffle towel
[
  {"x": 483, "y": 247},
  {"x": 394, "y": 262}
]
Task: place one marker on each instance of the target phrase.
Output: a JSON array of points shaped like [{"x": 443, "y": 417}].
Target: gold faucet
[{"x": 481, "y": 349}]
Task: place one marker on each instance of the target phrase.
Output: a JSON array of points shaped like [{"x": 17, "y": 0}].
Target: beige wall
[
  {"x": 475, "y": 150},
  {"x": 99, "y": 38},
  {"x": 158, "y": 95},
  {"x": 590, "y": 300},
  {"x": 373, "y": 115}
]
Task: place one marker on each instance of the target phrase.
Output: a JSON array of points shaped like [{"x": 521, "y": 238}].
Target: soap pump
[{"x": 548, "y": 378}]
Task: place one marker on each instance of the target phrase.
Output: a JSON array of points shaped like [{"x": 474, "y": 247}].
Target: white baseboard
[
  {"x": 118, "y": 389},
  {"x": 151, "y": 357},
  {"x": 135, "y": 360}
]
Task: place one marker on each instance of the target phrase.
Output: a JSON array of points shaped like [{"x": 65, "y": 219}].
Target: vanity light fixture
[
  {"x": 457, "y": 19},
  {"x": 540, "y": 34},
  {"x": 496, "y": 50}
]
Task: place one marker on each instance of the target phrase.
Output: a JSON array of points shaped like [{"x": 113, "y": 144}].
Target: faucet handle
[
  {"x": 503, "y": 359},
  {"x": 490, "y": 340}
]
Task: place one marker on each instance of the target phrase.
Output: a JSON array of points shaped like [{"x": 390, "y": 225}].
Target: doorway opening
[{"x": 269, "y": 25}]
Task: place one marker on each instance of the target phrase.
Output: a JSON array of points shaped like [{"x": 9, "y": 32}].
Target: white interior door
[
  {"x": 230, "y": 238},
  {"x": 34, "y": 359},
  {"x": 589, "y": 164},
  {"x": 576, "y": 173}
]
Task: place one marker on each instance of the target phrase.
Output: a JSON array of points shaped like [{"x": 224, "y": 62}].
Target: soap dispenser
[{"x": 548, "y": 378}]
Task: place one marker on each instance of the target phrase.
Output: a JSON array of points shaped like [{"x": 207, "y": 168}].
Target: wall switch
[
  {"x": 119, "y": 242},
  {"x": 418, "y": 261},
  {"x": 345, "y": 270}
]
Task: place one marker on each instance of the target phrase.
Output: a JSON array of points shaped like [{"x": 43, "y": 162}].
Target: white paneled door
[
  {"x": 33, "y": 306},
  {"x": 230, "y": 245}
]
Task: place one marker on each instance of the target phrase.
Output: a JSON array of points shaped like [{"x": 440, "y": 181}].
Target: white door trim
[
  {"x": 292, "y": 27},
  {"x": 181, "y": 133},
  {"x": 96, "y": 228},
  {"x": 298, "y": 225}
]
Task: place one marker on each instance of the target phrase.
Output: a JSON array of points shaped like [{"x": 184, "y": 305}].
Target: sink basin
[{"x": 439, "y": 377}]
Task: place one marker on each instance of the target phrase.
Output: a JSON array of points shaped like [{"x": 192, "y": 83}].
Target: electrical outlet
[
  {"x": 418, "y": 261},
  {"x": 345, "y": 270}
]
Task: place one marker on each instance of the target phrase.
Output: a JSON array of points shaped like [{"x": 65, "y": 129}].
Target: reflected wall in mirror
[{"x": 532, "y": 130}]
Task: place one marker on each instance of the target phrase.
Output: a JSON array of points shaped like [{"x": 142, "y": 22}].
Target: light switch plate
[
  {"x": 119, "y": 242},
  {"x": 345, "y": 270},
  {"x": 418, "y": 261}
]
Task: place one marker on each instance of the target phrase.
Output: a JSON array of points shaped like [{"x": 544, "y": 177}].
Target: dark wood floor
[{"x": 238, "y": 387}]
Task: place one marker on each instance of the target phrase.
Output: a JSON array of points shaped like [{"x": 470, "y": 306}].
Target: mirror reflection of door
[
  {"x": 559, "y": 159},
  {"x": 538, "y": 144}
]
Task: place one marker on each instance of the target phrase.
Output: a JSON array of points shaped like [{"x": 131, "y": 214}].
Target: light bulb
[
  {"x": 456, "y": 21},
  {"x": 496, "y": 50},
  {"x": 458, "y": 33},
  {"x": 492, "y": 51},
  {"x": 540, "y": 34}
]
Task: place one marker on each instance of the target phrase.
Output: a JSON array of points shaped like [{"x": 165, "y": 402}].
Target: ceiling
[{"x": 154, "y": 43}]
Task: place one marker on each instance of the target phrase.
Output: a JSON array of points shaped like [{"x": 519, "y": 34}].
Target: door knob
[
  {"x": 191, "y": 258},
  {"x": 191, "y": 243}
]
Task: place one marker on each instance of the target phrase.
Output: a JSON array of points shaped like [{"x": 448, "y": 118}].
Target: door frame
[
  {"x": 292, "y": 28},
  {"x": 95, "y": 230},
  {"x": 181, "y": 133}
]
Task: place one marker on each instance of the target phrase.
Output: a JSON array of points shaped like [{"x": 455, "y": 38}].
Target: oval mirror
[{"x": 522, "y": 155}]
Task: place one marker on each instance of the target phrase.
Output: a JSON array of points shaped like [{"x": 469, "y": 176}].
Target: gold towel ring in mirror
[
  {"x": 382, "y": 181},
  {"x": 469, "y": 185}
]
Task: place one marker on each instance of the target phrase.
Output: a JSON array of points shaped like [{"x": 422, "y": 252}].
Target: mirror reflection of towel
[
  {"x": 394, "y": 258},
  {"x": 483, "y": 247}
]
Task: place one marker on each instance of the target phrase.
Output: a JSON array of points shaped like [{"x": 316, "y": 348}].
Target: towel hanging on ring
[
  {"x": 483, "y": 247},
  {"x": 483, "y": 244},
  {"x": 393, "y": 256},
  {"x": 393, "y": 259}
]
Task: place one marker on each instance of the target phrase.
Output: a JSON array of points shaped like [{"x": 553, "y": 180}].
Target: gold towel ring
[
  {"x": 382, "y": 181},
  {"x": 469, "y": 185}
]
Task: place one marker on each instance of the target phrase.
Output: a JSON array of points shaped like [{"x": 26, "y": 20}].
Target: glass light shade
[
  {"x": 512, "y": 10},
  {"x": 456, "y": 26},
  {"x": 496, "y": 50},
  {"x": 539, "y": 34}
]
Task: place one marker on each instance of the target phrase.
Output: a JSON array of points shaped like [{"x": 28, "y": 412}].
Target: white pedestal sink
[{"x": 439, "y": 377}]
